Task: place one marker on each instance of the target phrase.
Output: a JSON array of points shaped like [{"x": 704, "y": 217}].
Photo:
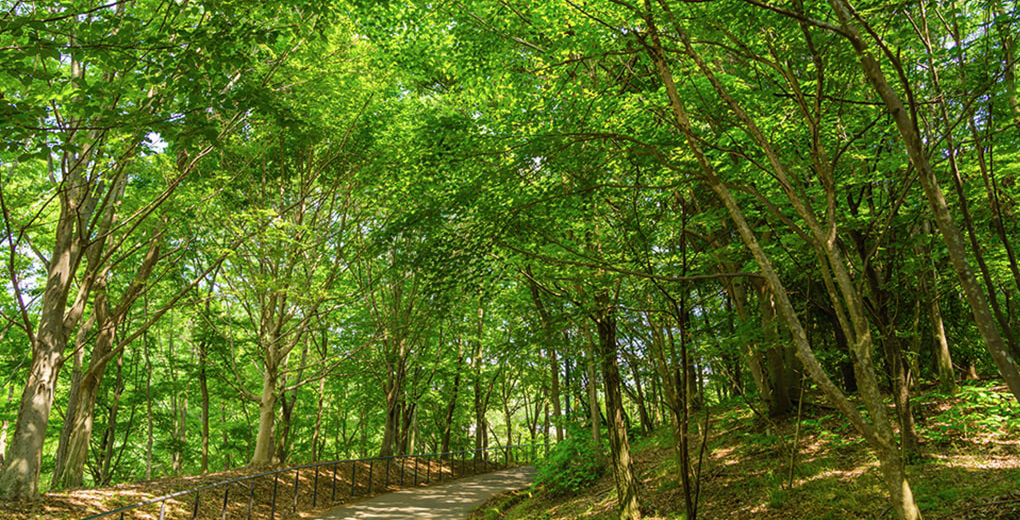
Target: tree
[{"x": 89, "y": 118}]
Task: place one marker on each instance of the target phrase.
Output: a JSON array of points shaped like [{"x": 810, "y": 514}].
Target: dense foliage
[
  {"x": 572, "y": 465},
  {"x": 240, "y": 233}
]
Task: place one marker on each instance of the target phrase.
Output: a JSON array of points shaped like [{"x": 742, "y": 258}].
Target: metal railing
[{"x": 214, "y": 500}]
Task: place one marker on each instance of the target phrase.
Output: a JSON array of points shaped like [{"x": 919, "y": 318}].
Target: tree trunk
[
  {"x": 225, "y": 439},
  {"x": 150, "y": 431},
  {"x": 940, "y": 342},
  {"x": 73, "y": 394},
  {"x": 451, "y": 405},
  {"x": 203, "y": 386},
  {"x": 639, "y": 399},
  {"x": 911, "y": 137},
  {"x": 481, "y": 399},
  {"x": 554, "y": 366},
  {"x": 23, "y": 464},
  {"x": 393, "y": 388},
  {"x": 392, "y": 418},
  {"x": 3, "y": 427},
  {"x": 317, "y": 432},
  {"x": 110, "y": 435},
  {"x": 878, "y": 433},
  {"x": 554, "y": 392},
  {"x": 623, "y": 467},
  {"x": 263, "y": 454},
  {"x": 776, "y": 383},
  {"x": 593, "y": 392},
  {"x": 281, "y": 453}
]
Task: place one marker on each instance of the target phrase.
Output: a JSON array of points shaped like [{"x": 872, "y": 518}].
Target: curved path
[{"x": 447, "y": 501}]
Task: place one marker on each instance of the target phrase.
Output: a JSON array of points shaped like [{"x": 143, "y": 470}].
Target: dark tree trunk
[{"x": 623, "y": 467}]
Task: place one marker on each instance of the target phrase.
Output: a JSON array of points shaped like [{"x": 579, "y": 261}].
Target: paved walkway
[{"x": 448, "y": 501}]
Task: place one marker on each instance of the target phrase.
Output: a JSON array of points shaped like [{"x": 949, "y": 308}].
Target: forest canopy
[{"x": 261, "y": 233}]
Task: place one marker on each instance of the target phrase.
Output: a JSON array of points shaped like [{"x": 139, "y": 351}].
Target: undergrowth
[
  {"x": 969, "y": 469},
  {"x": 572, "y": 465}
]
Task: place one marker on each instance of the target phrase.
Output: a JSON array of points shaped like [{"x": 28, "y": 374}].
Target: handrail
[{"x": 297, "y": 469}]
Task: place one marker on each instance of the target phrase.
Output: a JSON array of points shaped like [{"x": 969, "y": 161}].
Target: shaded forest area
[{"x": 253, "y": 234}]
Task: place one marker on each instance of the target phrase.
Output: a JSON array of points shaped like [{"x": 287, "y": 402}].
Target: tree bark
[
  {"x": 554, "y": 366},
  {"x": 481, "y": 424},
  {"x": 451, "y": 404},
  {"x": 110, "y": 435},
  {"x": 594, "y": 416},
  {"x": 203, "y": 386},
  {"x": 623, "y": 467},
  {"x": 317, "y": 432}
]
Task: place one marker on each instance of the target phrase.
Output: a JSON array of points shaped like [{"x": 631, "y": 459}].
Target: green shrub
[{"x": 572, "y": 465}]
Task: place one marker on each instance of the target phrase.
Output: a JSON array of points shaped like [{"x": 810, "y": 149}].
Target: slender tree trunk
[
  {"x": 623, "y": 467},
  {"x": 944, "y": 360},
  {"x": 593, "y": 393},
  {"x": 179, "y": 433},
  {"x": 281, "y": 453},
  {"x": 554, "y": 390},
  {"x": 878, "y": 433},
  {"x": 940, "y": 342},
  {"x": 451, "y": 405},
  {"x": 776, "y": 384},
  {"x": 393, "y": 388},
  {"x": 203, "y": 386},
  {"x": 911, "y": 137},
  {"x": 317, "y": 432},
  {"x": 639, "y": 398},
  {"x": 481, "y": 401},
  {"x": 74, "y": 392},
  {"x": 150, "y": 431},
  {"x": 110, "y": 436},
  {"x": 225, "y": 439},
  {"x": 545, "y": 425}
]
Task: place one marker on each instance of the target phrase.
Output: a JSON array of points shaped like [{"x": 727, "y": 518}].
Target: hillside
[{"x": 969, "y": 469}]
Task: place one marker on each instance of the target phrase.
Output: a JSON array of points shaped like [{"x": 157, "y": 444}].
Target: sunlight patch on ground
[{"x": 845, "y": 475}]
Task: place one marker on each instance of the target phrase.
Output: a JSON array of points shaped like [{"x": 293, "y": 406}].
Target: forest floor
[
  {"x": 296, "y": 492},
  {"x": 969, "y": 468}
]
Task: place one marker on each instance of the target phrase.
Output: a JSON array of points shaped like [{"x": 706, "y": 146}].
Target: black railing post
[
  {"x": 332, "y": 492},
  {"x": 297, "y": 473},
  {"x": 428, "y": 469},
  {"x": 402, "y": 461},
  {"x": 371, "y": 464},
  {"x": 194, "y": 512},
  {"x": 354, "y": 470},
  {"x": 315, "y": 486},
  {"x": 416, "y": 472},
  {"x": 387, "y": 474},
  {"x": 226, "y": 491},
  {"x": 272, "y": 510},
  {"x": 251, "y": 498}
]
